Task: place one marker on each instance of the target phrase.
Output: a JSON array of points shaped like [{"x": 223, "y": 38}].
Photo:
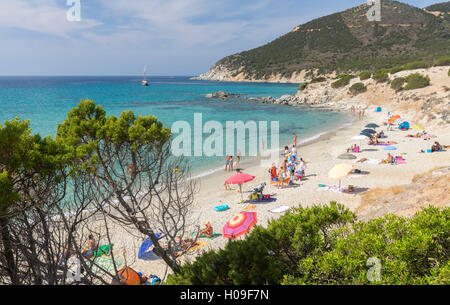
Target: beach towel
[
  {"x": 384, "y": 144},
  {"x": 212, "y": 237},
  {"x": 355, "y": 176},
  {"x": 332, "y": 188},
  {"x": 204, "y": 236},
  {"x": 369, "y": 161},
  {"x": 261, "y": 201},
  {"x": 194, "y": 248},
  {"x": 249, "y": 207},
  {"x": 103, "y": 263},
  {"x": 280, "y": 209},
  {"x": 400, "y": 161}
]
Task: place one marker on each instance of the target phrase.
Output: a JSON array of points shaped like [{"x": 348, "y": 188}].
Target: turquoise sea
[{"x": 45, "y": 101}]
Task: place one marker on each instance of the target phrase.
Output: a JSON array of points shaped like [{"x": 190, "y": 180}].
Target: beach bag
[
  {"x": 255, "y": 196},
  {"x": 155, "y": 280},
  {"x": 357, "y": 171},
  {"x": 266, "y": 197}
]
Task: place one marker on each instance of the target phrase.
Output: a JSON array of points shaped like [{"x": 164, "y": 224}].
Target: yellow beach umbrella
[{"x": 340, "y": 171}]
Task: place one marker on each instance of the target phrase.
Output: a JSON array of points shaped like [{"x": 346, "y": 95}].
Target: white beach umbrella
[{"x": 359, "y": 138}]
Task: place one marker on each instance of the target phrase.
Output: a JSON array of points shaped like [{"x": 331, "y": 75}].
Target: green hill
[
  {"x": 443, "y": 7},
  {"x": 349, "y": 41}
]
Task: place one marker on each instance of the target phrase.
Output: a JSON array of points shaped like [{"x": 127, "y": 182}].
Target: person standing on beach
[
  {"x": 238, "y": 158},
  {"x": 295, "y": 139},
  {"x": 302, "y": 166},
  {"x": 294, "y": 152},
  {"x": 231, "y": 163},
  {"x": 227, "y": 162}
]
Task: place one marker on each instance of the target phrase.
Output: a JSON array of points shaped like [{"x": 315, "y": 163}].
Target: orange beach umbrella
[{"x": 393, "y": 119}]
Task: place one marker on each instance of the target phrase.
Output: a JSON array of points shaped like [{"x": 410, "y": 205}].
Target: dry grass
[{"x": 430, "y": 188}]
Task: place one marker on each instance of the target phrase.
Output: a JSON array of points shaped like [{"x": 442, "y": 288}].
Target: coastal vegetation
[
  {"x": 443, "y": 61},
  {"x": 328, "y": 245},
  {"x": 343, "y": 80},
  {"x": 357, "y": 88},
  {"x": 397, "y": 83},
  {"x": 318, "y": 80},
  {"x": 98, "y": 170},
  {"x": 381, "y": 76},
  {"x": 416, "y": 81},
  {"x": 365, "y": 75},
  {"x": 303, "y": 86}
]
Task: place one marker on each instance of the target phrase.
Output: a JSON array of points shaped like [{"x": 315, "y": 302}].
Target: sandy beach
[{"x": 320, "y": 156}]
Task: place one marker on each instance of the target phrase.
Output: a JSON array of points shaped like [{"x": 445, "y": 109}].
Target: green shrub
[
  {"x": 397, "y": 84},
  {"x": 357, "y": 88},
  {"x": 396, "y": 69},
  {"x": 416, "y": 65},
  {"x": 365, "y": 75},
  {"x": 380, "y": 76},
  {"x": 409, "y": 66},
  {"x": 343, "y": 80},
  {"x": 448, "y": 72},
  {"x": 443, "y": 61},
  {"x": 318, "y": 80},
  {"x": 326, "y": 245},
  {"x": 303, "y": 86},
  {"x": 416, "y": 81}
]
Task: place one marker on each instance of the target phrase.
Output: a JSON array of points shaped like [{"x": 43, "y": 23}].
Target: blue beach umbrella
[
  {"x": 368, "y": 131},
  {"x": 365, "y": 134},
  {"x": 378, "y": 109},
  {"x": 390, "y": 148},
  {"x": 146, "y": 245}
]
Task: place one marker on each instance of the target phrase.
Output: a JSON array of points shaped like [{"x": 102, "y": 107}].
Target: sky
[{"x": 171, "y": 37}]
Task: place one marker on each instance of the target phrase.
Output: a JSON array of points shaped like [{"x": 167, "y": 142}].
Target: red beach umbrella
[
  {"x": 239, "y": 224},
  {"x": 239, "y": 179}
]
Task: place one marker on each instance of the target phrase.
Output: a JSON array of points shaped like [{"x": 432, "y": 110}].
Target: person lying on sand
[
  {"x": 362, "y": 160},
  {"x": 417, "y": 135},
  {"x": 182, "y": 244}
]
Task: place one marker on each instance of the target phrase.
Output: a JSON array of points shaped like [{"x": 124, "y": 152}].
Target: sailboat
[{"x": 144, "y": 81}]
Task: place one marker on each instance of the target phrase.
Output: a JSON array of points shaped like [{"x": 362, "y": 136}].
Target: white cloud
[
  {"x": 43, "y": 16},
  {"x": 189, "y": 23}
]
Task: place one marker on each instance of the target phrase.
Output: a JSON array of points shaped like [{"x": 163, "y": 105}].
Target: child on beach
[{"x": 281, "y": 178}]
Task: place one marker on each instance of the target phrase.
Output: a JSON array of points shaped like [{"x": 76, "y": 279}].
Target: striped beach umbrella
[{"x": 239, "y": 224}]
